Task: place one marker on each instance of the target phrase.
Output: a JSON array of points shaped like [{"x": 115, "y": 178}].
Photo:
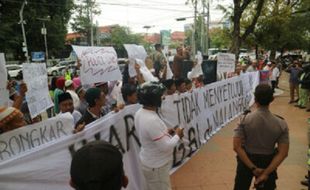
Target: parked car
[
  {"x": 14, "y": 69},
  {"x": 59, "y": 68},
  {"x": 122, "y": 63},
  {"x": 287, "y": 59}
]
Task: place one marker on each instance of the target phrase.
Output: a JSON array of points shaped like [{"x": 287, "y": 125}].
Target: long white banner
[
  {"x": 18, "y": 142},
  {"x": 202, "y": 113}
]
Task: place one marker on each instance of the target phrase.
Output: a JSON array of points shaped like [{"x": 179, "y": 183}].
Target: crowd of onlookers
[{"x": 88, "y": 103}]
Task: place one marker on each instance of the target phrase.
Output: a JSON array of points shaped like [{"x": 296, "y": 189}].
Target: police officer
[
  {"x": 261, "y": 142},
  {"x": 159, "y": 61}
]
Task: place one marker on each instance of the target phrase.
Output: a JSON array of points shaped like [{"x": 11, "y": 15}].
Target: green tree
[
  {"x": 220, "y": 38},
  {"x": 11, "y": 38},
  {"x": 121, "y": 35},
  {"x": 82, "y": 20},
  {"x": 284, "y": 26},
  {"x": 239, "y": 33}
]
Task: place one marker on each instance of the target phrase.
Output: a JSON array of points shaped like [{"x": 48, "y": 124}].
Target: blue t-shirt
[{"x": 294, "y": 72}]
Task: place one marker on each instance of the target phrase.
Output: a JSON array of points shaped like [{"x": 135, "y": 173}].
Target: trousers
[
  {"x": 157, "y": 178},
  {"x": 244, "y": 175}
]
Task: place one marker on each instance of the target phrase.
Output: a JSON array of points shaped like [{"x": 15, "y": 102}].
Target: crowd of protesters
[{"x": 89, "y": 103}]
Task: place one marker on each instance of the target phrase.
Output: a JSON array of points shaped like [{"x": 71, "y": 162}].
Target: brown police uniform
[{"x": 261, "y": 131}]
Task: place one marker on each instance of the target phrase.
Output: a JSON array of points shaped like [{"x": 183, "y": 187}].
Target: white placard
[
  {"x": 134, "y": 52},
  {"x": 37, "y": 95},
  {"x": 99, "y": 64},
  {"x": 146, "y": 73},
  {"x": 169, "y": 74},
  {"x": 197, "y": 70},
  {"x": 4, "y": 93},
  {"x": 225, "y": 62}
]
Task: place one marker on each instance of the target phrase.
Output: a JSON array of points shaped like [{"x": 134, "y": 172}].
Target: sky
[{"x": 158, "y": 14}]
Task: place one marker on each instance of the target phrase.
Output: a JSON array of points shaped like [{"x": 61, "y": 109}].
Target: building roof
[
  {"x": 155, "y": 38},
  {"x": 152, "y": 38},
  {"x": 71, "y": 36},
  {"x": 102, "y": 29},
  {"x": 177, "y": 36}
]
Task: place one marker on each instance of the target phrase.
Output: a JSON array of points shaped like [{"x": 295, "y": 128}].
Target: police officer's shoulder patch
[{"x": 279, "y": 116}]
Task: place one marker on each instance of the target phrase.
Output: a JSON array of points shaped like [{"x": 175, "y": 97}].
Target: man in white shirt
[
  {"x": 268, "y": 66},
  {"x": 66, "y": 105},
  {"x": 157, "y": 141},
  {"x": 252, "y": 67},
  {"x": 70, "y": 89},
  {"x": 275, "y": 73}
]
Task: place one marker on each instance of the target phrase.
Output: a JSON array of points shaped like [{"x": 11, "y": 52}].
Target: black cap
[
  {"x": 158, "y": 46},
  {"x": 91, "y": 95},
  {"x": 168, "y": 83},
  {"x": 98, "y": 165},
  {"x": 179, "y": 81},
  {"x": 150, "y": 93},
  {"x": 63, "y": 97}
]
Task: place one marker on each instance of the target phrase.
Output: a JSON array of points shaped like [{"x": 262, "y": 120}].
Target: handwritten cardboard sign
[
  {"x": 37, "y": 96},
  {"x": 226, "y": 62},
  {"x": 134, "y": 53},
  {"x": 99, "y": 64},
  {"x": 4, "y": 93}
]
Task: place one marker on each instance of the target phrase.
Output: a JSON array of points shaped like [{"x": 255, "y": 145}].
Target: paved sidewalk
[{"x": 213, "y": 168}]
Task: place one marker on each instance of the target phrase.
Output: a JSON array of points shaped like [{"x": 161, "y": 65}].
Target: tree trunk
[
  {"x": 256, "y": 51},
  {"x": 238, "y": 10},
  {"x": 272, "y": 54},
  {"x": 236, "y": 42}
]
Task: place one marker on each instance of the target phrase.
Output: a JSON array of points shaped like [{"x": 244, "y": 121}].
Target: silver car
[{"x": 13, "y": 70}]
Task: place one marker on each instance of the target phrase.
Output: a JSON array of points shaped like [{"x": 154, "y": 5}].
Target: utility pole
[
  {"x": 22, "y": 22},
  {"x": 44, "y": 33},
  {"x": 194, "y": 31},
  {"x": 97, "y": 33},
  {"x": 89, "y": 9},
  {"x": 208, "y": 25},
  {"x": 202, "y": 34},
  {"x": 91, "y": 25}
]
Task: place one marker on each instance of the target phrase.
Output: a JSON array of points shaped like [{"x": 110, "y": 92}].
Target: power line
[
  {"x": 152, "y": 21},
  {"x": 144, "y": 7},
  {"x": 138, "y": 6},
  {"x": 35, "y": 3},
  {"x": 159, "y": 3}
]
